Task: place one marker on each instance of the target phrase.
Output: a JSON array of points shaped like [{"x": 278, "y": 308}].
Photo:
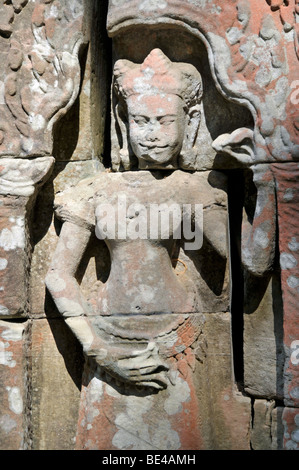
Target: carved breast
[
  {"x": 130, "y": 206},
  {"x": 138, "y": 214}
]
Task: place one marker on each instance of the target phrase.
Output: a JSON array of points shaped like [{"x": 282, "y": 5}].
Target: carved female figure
[{"x": 157, "y": 116}]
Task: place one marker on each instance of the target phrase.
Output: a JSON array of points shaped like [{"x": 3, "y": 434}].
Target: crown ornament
[{"x": 157, "y": 75}]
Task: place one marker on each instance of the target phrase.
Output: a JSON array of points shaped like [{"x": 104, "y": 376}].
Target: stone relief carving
[
  {"x": 39, "y": 81},
  {"x": 20, "y": 181},
  {"x": 254, "y": 58},
  {"x": 42, "y": 77},
  {"x": 8, "y": 10},
  {"x": 287, "y": 11},
  {"x": 250, "y": 56},
  {"x": 259, "y": 231},
  {"x": 154, "y": 326},
  {"x": 21, "y": 177},
  {"x": 178, "y": 90},
  {"x": 156, "y": 104}
]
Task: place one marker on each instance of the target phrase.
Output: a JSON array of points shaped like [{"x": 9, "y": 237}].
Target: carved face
[{"x": 156, "y": 129}]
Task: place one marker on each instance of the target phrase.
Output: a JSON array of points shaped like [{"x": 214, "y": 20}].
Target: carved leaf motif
[
  {"x": 18, "y": 5},
  {"x": 6, "y": 20},
  {"x": 8, "y": 9},
  {"x": 43, "y": 82},
  {"x": 55, "y": 74},
  {"x": 14, "y": 104}
]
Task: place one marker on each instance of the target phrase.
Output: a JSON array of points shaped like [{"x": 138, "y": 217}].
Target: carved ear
[
  {"x": 192, "y": 126},
  {"x": 120, "y": 153},
  {"x": 188, "y": 154},
  {"x": 239, "y": 145}
]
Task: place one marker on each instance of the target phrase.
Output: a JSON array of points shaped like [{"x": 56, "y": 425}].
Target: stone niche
[{"x": 129, "y": 335}]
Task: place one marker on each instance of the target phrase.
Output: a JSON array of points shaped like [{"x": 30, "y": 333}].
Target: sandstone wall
[{"x": 57, "y": 128}]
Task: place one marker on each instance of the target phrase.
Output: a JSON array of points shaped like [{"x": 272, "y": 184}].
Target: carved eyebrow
[
  {"x": 158, "y": 117},
  {"x": 166, "y": 116},
  {"x": 139, "y": 116}
]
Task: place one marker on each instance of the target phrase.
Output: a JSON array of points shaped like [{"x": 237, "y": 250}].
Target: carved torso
[{"x": 142, "y": 271}]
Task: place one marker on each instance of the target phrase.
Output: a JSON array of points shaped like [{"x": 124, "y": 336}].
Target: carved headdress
[{"x": 158, "y": 75}]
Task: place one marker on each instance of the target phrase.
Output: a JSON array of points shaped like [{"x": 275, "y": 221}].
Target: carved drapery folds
[{"x": 204, "y": 110}]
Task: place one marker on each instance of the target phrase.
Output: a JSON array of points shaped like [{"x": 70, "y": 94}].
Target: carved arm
[
  {"x": 259, "y": 237},
  {"x": 215, "y": 230},
  {"x": 60, "y": 280},
  {"x": 145, "y": 367}
]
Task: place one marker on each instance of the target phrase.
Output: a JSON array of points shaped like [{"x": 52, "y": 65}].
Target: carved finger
[
  {"x": 155, "y": 381},
  {"x": 151, "y": 347},
  {"x": 147, "y": 370},
  {"x": 152, "y": 385}
]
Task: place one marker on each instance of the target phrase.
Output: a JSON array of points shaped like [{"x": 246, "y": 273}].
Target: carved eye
[
  {"x": 140, "y": 120},
  {"x": 166, "y": 120}
]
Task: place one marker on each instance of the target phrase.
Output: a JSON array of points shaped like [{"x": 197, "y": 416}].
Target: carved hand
[
  {"x": 143, "y": 368},
  {"x": 237, "y": 146}
]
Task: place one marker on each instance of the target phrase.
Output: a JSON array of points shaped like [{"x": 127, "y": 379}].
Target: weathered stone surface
[
  {"x": 155, "y": 192},
  {"x": 158, "y": 88},
  {"x": 14, "y": 257},
  {"x": 40, "y": 79},
  {"x": 19, "y": 184},
  {"x": 199, "y": 410},
  {"x": 269, "y": 249},
  {"x": 160, "y": 108},
  {"x": 267, "y": 431},
  {"x": 22, "y": 177},
  {"x": 276, "y": 184},
  {"x": 13, "y": 423},
  {"x": 73, "y": 133},
  {"x": 56, "y": 377},
  {"x": 224, "y": 412},
  {"x": 287, "y": 183},
  {"x": 138, "y": 419},
  {"x": 277, "y": 428},
  {"x": 290, "y": 420},
  {"x": 196, "y": 86},
  {"x": 263, "y": 339},
  {"x": 252, "y": 57},
  {"x": 143, "y": 336}
]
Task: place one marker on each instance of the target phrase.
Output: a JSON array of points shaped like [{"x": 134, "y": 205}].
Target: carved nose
[
  {"x": 151, "y": 133},
  {"x": 150, "y": 137}
]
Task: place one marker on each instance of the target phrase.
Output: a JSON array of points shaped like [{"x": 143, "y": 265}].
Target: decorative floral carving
[{"x": 43, "y": 78}]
